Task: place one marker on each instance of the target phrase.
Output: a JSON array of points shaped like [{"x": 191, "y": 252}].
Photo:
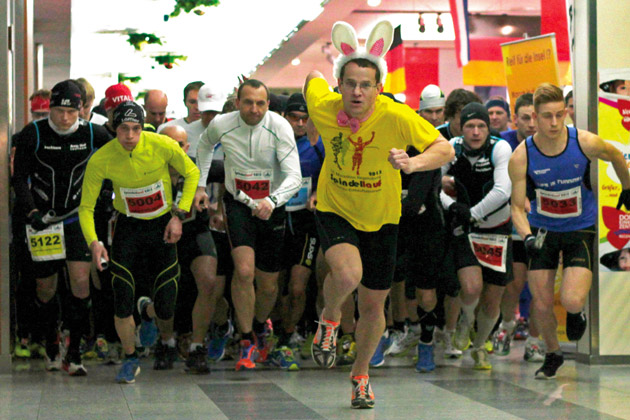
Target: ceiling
[{"x": 98, "y": 50}]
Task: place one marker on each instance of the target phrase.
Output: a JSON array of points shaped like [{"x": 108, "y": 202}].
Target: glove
[
  {"x": 460, "y": 213},
  {"x": 624, "y": 199},
  {"x": 530, "y": 246},
  {"x": 36, "y": 222}
]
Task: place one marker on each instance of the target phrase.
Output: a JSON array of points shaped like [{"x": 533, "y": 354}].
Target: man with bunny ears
[{"x": 358, "y": 207}]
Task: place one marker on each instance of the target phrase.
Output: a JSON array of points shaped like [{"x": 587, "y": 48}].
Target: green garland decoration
[
  {"x": 167, "y": 60},
  {"x": 139, "y": 40},
  {"x": 191, "y": 6}
]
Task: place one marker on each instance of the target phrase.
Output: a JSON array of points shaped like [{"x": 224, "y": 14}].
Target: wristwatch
[
  {"x": 274, "y": 200},
  {"x": 179, "y": 214}
]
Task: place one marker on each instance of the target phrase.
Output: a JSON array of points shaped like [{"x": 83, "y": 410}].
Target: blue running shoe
[
  {"x": 128, "y": 371},
  {"x": 284, "y": 359},
  {"x": 425, "y": 358},
  {"x": 148, "y": 332},
  {"x": 218, "y": 343},
  {"x": 378, "y": 359}
]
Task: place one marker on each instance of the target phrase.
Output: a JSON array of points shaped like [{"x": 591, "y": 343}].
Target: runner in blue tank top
[{"x": 552, "y": 169}]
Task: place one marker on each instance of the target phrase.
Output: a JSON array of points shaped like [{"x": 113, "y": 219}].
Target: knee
[
  {"x": 269, "y": 291},
  {"x": 206, "y": 286},
  {"x": 244, "y": 273},
  {"x": 427, "y": 301},
  {"x": 542, "y": 306},
  {"x": 347, "y": 277},
  {"x": 81, "y": 288},
  {"x": 45, "y": 292},
  {"x": 471, "y": 288},
  {"x": 297, "y": 290},
  {"x": 573, "y": 304}
]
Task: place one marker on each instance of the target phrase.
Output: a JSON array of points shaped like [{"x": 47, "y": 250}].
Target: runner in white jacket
[{"x": 262, "y": 172}]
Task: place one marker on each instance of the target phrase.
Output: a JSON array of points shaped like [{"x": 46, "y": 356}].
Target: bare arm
[
  {"x": 438, "y": 154},
  {"x": 517, "y": 170},
  {"x": 596, "y": 148}
]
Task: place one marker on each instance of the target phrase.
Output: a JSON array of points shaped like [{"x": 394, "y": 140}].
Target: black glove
[
  {"x": 460, "y": 213},
  {"x": 36, "y": 222},
  {"x": 530, "y": 246},
  {"x": 624, "y": 199}
]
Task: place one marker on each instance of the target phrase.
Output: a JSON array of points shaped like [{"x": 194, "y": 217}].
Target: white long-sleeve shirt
[{"x": 260, "y": 160}]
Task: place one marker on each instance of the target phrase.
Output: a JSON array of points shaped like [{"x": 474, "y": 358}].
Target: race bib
[
  {"x": 48, "y": 244},
  {"x": 299, "y": 200},
  {"x": 559, "y": 204},
  {"x": 145, "y": 202},
  {"x": 256, "y": 184},
  {"x": 490, "y": 250}
]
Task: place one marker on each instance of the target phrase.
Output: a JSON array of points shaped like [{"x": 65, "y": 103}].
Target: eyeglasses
[
  {"x": 352, "y": 85},
  {"x": 293, "y": 117}
]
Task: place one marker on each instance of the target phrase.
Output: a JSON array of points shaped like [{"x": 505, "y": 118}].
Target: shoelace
[
  {"x": 328, "y": 335},
  {"x": 362, "y": 386}
]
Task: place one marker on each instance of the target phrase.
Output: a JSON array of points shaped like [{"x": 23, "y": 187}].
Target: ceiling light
[
  {"x": 374, "y": 3},
  {"x": 421, "y": 26},
  {"x": 507, "y": 29},
  {"x": 440, "y": 26},
  {"x": 295, "y": 62}
]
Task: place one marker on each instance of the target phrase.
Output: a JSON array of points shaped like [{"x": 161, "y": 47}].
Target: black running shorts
[
  {"x": 266, "y": 237},
  {"x": 576, "y": 248},
  {"x": 377, "y": 249}
]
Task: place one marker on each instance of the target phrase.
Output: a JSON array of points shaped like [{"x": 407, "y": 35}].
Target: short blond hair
[
  {"x": 89, "y": 90},
  {"x": 546, "y": 93}
]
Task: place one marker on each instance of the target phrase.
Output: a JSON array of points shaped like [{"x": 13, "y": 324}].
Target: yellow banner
[{"x": 528, "y": 63}]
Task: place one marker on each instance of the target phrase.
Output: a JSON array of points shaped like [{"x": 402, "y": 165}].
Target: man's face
[
  {"x": 86, "y": 109},
  {"x": 64, "y": 117},
  {"x": 207, "y": 116},
  {"x": 550, "y": 119},
  {"x": 191, "y": 104},
  {"x": 128, "y": 134},
  {"x": 359, "y": 90},
  {"x": 298, "y": 120},
  {"x": 498, "y": 118},
  {"x": 434, "y": 115},
  {"x": 524, "y": 121},
  {"x": 624, "y": 259},
  {"x": 571, "y": 109},
  {"x": 253, "y": 104},
  {"x": 475, "y": 133},
  {"x": 455, "y": 125},
  {"x": 156, "y": 111}
]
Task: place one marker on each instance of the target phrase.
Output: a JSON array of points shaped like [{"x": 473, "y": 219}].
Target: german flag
[{"x": 395, "y": 57}]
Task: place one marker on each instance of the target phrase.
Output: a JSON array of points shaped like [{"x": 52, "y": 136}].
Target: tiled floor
[{"x": 453, "y": 391}]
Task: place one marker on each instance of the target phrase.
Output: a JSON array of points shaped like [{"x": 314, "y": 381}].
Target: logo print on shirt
[
  {"x": 339, "y": 147},
  {"x": 359, "y": 148},
  {"x": 542, "y": 171}
]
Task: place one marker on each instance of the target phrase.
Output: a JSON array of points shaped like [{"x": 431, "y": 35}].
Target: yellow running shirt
[
  {"x": 142, "y": 183},
  {"x": 357, "y": 182}
]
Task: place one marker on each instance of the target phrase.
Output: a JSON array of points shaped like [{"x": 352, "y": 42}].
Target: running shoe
[
  {"x": 101, "y": 347},
  {"x": 148, "y": 331},
  {"x": 324, "y": 347},
  {"x": 534, "y": 350},
  {"x": 165, "y": 356},
  {"x": 396, "y": 339},
  {"x": 37, "y": 350},
  {"x": 22, "y": 351},
  {"x": 501, "y": 340},
  {"x": 197, "y": 362},
  {"x": 218, "y": 343},
  {"x": 248, "y": 354},
  {"x": 550, "y": 366},
  {"x": 265, "y": 343},
  {"x": 522, "y": 329},
  {"x": 378, "y": 358},
  {"x": 128, "y": 371},
  {"x": 425, "y": 358},
  {"x": 480, "y": 356},
  {"x": 576, "y": 325},
  {"x": 461, "y": 338},
  {"x": 305, "y": 351},
  {"x": 296, "y": 341},
  {"x": 52, "y": 364},
  {"x": 450, "y": 352},
  {"x": 408, "y": 342},
  {"x": 347, "y": 350},
  {"x": 362, "y": 395},
  {"x": 73, "y": 365},
  {"x": 284, "y": 359}
]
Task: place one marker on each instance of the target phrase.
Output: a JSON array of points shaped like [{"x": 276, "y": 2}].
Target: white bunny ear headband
[{"x": 344, "y": 38}]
